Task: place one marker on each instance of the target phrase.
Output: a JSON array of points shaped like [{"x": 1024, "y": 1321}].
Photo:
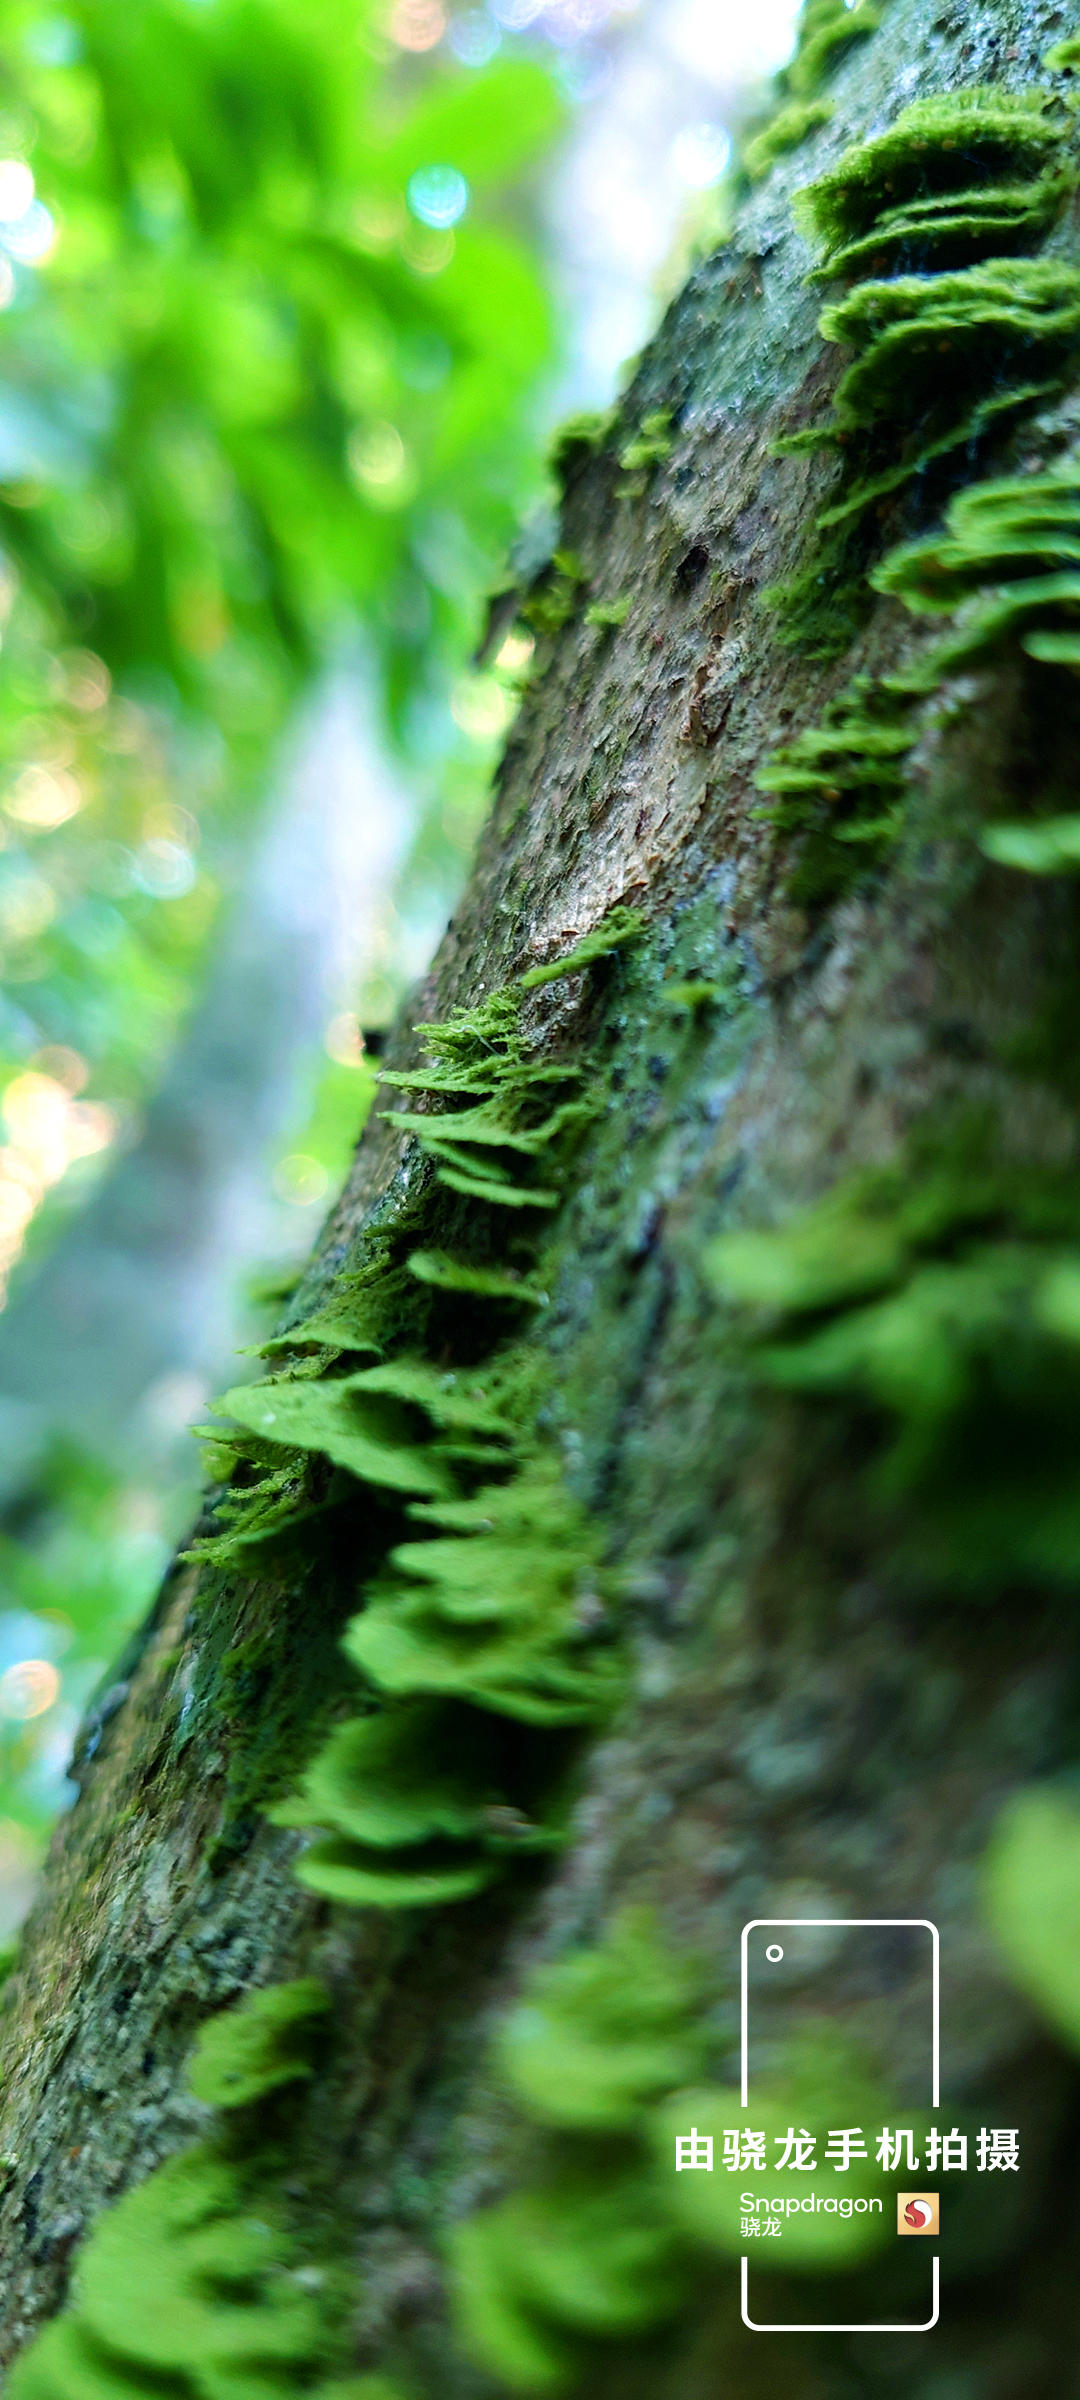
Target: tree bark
[{"x": 805, "y": 1732}]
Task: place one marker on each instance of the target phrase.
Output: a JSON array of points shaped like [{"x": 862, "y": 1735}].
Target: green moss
[
  {"x": 1009, "y": 559},
  {"x": 185, "y": 2288},
  {"x": 942, "y": 1324},
  {"x": 376, "y": 1439},
  {"x": 588, "y": 2251},
  {"x": 553, "y": 2268},
  {"x": 489, "y": 1614},
  {"x": 646, "y": 449},
  {"x": 506, "y": 1144},
  {"x": 192, "y": 2287},
  {"x": 447, "y": 1274},
  {"x": 1064, "y": 58},
  {"x": 362, "y": 2387},
  {"x": 338, "y": 1328},
  {"x": 1049, "y": 846},
  {"x": 489, "y": 1611},
  {"x": 556, "y": 596},
  {"x": 785, "y": 131},
  {"x": 955, "y": 229},
  {"x": 651, "y": 444},
  {"x": 839, "y": 787},
  {"x": 1007, "y": 566},
  {"x": 490, "y": 1148},
  {"x": 1030, "y": 1884},
  {"x": 827, "y": 30},
  {"x": 1015, "y": 322},
  {"x": 479, "y": 1623},
  {"x": 614, "y": 932},
  {"x": 244, "y": 2053},
  {"x": 269, "y": 1496},
  {"x": 608, "y": 614},
  {"x": 578, "y": 440},
  {"x": 818, "y": 2081},
  {"x": 822, "y": 607},
  {"x": 945, "y": 355},
  {"x": 604, "y": 2032},
  {"x": 605, "y": 2242},
  {"x": 700, "y": 992},
  {"x": 960, "y": 175}
]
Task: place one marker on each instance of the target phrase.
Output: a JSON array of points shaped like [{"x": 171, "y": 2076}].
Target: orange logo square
[{"x": 917, "y": 2212}]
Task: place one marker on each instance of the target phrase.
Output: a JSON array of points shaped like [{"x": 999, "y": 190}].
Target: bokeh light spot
[
  {"x": 343, "y": 1041},
  {"x": 417, "y": 24},
  {"x": 378, "y": 462},
  {"x": 165, "y": 870},
  {"x": 515, "y": 652},
  {"x": 28, "y": 1689},
  {"x": 516, "y": 14},
  {"x": 439, "y": 196},
  {"x": 16, "y": 189},
  {"x": 482, "y": 706},
  {"x": 473, "y": 38},
  {"x": 300, "y": 1180},
  {"x": 427, "y": 249},
  {"x": 699, "y": 155},
  {"x": 44, "y": 797},
  {"x": 31, "y": 238}
]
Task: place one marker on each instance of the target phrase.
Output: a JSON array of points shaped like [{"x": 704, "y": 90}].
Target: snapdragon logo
[{"x": 917, "y": 2212}]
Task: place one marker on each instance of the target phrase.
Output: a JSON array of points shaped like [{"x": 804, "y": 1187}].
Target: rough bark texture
[{"x": 800, "y": 1738}]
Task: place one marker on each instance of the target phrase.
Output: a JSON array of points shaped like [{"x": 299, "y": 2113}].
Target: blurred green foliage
[
  {"x": 246, "y": 396},
  {"x": 271, "y": 324}
]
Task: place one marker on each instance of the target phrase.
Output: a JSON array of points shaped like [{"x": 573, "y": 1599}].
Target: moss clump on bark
[
  {"x": 959, "y": 175},
  {"x": 786, "y": 131},
  {"x": 187, "y": 2287},
  {"x": 827, "y": 31},
  {"x": 491, "y": 1612},
  {"x": 193, "y": 2287},
  {"x": 606, "y": 2242},
  {"x": 840, "y": 787},
  {"x": 1009, "y": 557},
  {"x": 940, "y": 1314},
  {"x": 245, "y": 2053},
  {"x": 948, "y": 353},
  {"x": 941, "y": 355},
  {"x": 480, "y": 1622}
]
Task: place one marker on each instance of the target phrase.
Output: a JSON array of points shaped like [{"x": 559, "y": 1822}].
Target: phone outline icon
[{"x": 753, "y": 1925}]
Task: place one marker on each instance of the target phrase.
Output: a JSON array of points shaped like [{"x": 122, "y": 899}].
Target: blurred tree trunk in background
[{"x": 827, "y": 1705}]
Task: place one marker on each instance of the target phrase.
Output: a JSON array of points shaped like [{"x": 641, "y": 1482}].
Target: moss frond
[
  {"x": 244, "y": 2053},
  {"x": 785, "y": 131},
  {"x": 839, "y": 786},
  {"x": 945, "y": 1324},
  {"x": 953, "y": 153}
]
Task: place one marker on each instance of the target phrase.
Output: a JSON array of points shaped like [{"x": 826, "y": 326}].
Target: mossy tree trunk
[{"x": 830, "y": 1689}]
